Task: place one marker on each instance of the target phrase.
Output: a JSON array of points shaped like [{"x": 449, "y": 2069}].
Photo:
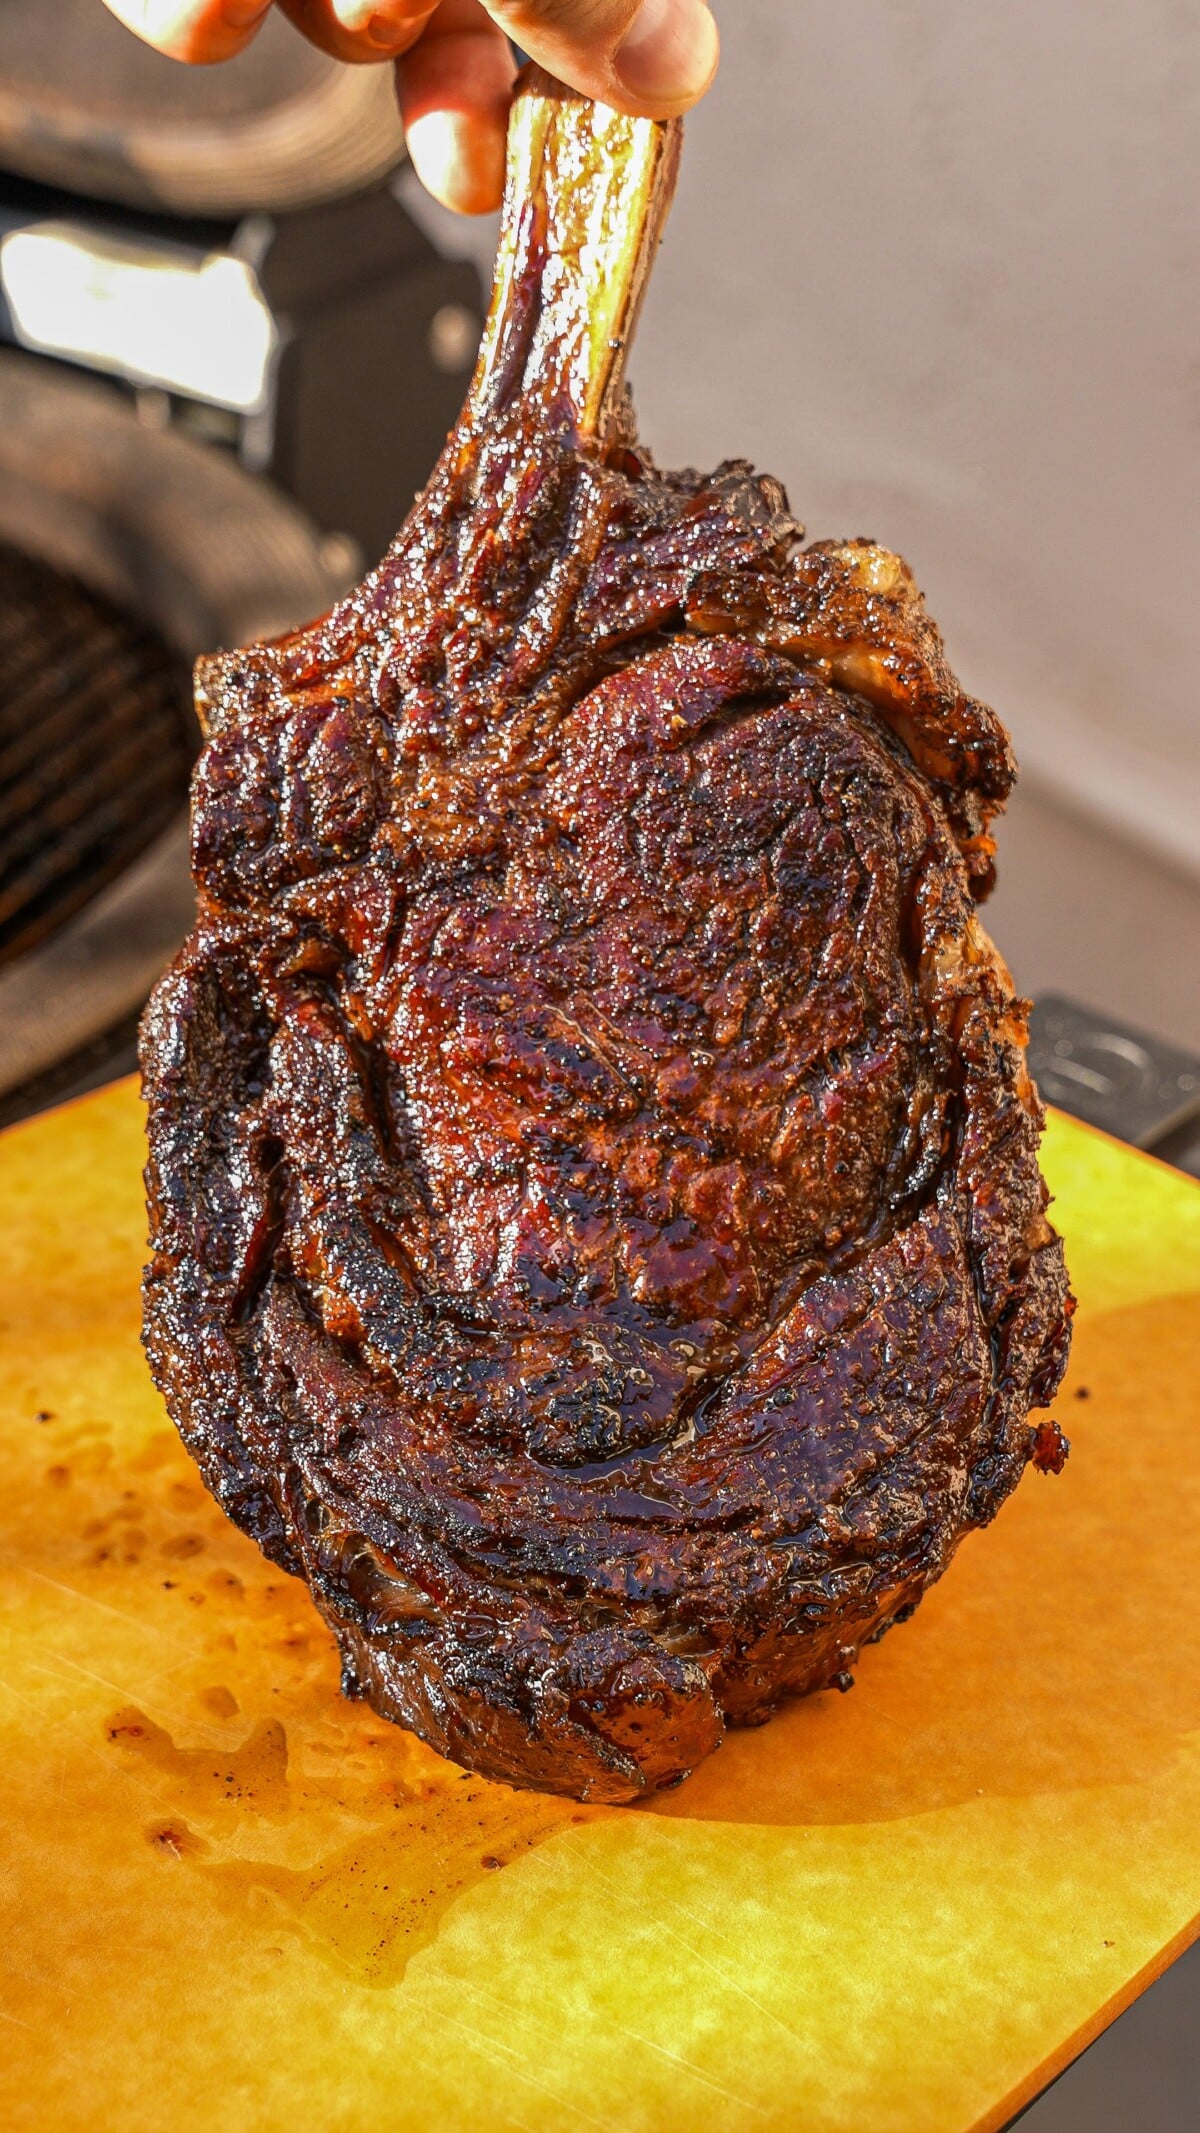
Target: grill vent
[{"x": 97, "y": 739}]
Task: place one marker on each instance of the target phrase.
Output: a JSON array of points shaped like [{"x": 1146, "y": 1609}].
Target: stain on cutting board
[{"x": 242, "y": 1753}]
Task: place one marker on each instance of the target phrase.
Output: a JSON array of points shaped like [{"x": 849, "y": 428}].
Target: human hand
[{"x": 454, "y": 68}]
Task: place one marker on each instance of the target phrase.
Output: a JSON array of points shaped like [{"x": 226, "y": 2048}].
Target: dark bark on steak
[{"x": 597, "y": 1236}]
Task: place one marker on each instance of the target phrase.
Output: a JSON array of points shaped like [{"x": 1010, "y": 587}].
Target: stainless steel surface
[
  {"x": 1118, "y": 1078},
  {"x": 1142, "y": 2075}
]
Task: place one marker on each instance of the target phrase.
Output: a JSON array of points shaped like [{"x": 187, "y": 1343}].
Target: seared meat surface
[{"x": 597, "y": 1235}]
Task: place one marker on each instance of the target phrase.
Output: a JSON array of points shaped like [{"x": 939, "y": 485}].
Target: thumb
[{"x": 651, "y": 58}]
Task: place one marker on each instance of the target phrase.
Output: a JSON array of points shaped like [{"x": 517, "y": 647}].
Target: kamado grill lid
[
  {"x": 124, "y": 552},
  {"x": 86, "y": 106}
]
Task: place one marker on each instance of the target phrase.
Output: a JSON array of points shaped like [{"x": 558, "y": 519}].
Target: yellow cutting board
[{"x": 232, "y": 1900}]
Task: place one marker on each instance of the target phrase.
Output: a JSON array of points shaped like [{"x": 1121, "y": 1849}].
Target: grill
[
  {"x": 97, "y": 738},
  {"x": 124, "y": 552},
  {"x": 157, "y": 502}
]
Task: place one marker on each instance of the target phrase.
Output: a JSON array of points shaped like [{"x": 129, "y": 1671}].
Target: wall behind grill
[{"x": 939, "y": 268}]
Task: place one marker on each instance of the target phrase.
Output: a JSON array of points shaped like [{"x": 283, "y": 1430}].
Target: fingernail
[
  {"x": 459, "y": 158},
  {"x": 670, "y": 54},
  {"x": 379, "y": 30},
  {"x": 387, "y": 35},
  {"x": 243, "y": 14}
]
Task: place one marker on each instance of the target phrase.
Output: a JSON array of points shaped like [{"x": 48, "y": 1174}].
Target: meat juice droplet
[{"x": 1049, "y": 1449}]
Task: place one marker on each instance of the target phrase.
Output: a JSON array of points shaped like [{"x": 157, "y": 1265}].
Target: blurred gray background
[{"x": 938, "y": 267}]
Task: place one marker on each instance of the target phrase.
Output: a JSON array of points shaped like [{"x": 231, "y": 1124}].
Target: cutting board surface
[{"x": 229, "y": 1898}]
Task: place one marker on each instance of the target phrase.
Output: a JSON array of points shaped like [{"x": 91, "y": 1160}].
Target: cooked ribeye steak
[{"x": 597, "y": 1234}]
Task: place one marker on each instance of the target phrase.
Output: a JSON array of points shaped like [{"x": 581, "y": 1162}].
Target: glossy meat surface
[{"x": 597, "y": 1236}]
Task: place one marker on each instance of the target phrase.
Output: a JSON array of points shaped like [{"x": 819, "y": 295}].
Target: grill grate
[{"x": 97, "y": 739}]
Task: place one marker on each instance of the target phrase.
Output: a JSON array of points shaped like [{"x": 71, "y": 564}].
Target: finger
[
  {"x": 455, "y": 87},
  {"x": 652, "y": 58},
  {"x": 360, "y": 30},
  {"x": 200, "y": 31},
  {"x": 387, "y": 26}
]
